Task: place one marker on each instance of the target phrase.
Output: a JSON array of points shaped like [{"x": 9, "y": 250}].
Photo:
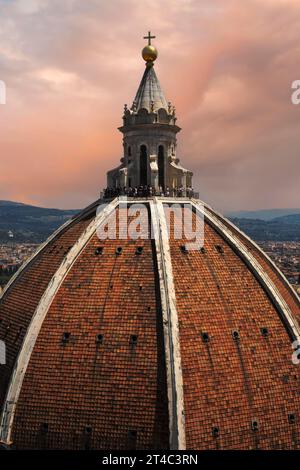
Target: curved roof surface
[{"x": 151, "y": 346}]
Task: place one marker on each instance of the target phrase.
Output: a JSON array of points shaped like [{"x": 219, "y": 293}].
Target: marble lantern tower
[{"x": 149, "y": 137}]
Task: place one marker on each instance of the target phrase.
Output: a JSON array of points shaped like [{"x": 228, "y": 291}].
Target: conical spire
[{"x": 150, "y": 95}]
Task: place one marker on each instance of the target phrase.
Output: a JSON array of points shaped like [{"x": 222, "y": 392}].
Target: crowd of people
[{"x": 148, "y": 191}]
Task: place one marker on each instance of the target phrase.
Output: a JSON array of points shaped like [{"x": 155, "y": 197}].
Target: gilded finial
[{"x": 149, "y": 52}]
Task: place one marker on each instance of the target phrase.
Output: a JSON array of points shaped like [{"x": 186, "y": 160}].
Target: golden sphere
[{"x": 149, "y": 53}]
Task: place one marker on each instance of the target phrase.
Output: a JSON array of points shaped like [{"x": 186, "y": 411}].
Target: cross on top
[{"x": 149, "y": 37}]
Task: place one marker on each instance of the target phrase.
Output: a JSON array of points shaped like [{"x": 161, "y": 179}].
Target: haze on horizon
[{"x": 70, "y": 66}]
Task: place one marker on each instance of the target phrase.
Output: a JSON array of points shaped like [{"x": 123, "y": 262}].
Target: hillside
[
  {"x": 286, "y": 228},
  {"x": 24, "y": 223}
]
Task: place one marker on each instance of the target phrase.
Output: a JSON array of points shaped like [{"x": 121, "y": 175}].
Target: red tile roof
[{"x": 97, "y": 377}]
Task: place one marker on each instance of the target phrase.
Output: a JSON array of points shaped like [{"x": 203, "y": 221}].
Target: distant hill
[
  {"x": 288, "y": 219},
  {"x": 25, "y": 223},
  {"x": 267, "y": 214},
  {"x": 285, "y": 228}
]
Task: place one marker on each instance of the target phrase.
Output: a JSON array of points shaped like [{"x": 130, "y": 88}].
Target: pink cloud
[{"x": 227, "y": 66}]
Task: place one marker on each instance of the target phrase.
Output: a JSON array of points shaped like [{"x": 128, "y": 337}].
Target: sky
[{"x": 227, "y": 65}]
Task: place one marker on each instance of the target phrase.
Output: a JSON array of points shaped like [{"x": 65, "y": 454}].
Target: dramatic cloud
[{"x": 70, "y": 65}]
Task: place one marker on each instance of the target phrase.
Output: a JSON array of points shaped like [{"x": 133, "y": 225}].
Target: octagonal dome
[{"x": 140, "y": 343}]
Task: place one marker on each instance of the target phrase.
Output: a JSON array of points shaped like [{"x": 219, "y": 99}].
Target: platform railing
[{"x": 148, "y": 194}]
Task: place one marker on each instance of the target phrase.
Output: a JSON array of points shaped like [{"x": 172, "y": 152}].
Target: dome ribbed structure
[{"x": 125, "y": 343}]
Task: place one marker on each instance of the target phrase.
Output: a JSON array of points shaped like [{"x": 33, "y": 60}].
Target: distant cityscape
[
  {"x": 286, "y": 255},
  {"x": 12, "y": 256}
]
